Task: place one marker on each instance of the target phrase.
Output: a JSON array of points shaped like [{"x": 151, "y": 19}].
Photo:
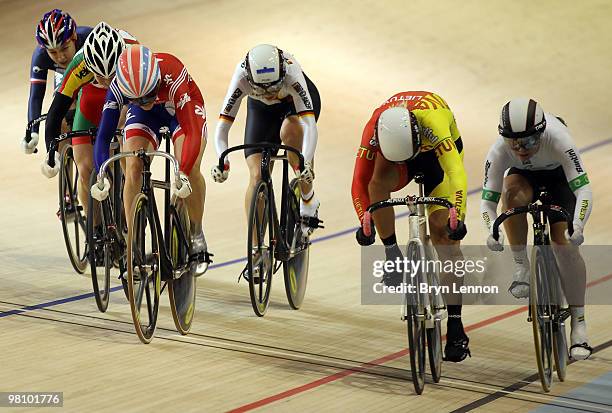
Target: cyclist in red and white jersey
[
  {"x": 538, "y": 151},
  {"x": 160, "y": 92}
]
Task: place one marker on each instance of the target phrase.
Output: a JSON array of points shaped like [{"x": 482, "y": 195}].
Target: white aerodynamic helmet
[
  {"x": 521, "y": 118},
  {"x": 102, "y": 49},
  {"x": 398, "y": 134},
  {"x": 265, "y": 66}
]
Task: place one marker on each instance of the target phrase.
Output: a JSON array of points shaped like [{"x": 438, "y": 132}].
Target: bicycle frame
[
  {"x": 148, "y": 184},
  {"x": 282, "y": 251}
]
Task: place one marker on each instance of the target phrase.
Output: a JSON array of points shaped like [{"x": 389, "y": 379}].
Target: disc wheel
[
  {"x": 295, "y": 269},
  {"x": 182, "y": 291},
  {"x": 260, "y": 249},
  {"x": 143, "y": 269},
  {"x": 71, "y": 212}
]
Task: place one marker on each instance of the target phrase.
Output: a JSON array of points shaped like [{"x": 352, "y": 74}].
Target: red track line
[{"x": 363, "y": 367}]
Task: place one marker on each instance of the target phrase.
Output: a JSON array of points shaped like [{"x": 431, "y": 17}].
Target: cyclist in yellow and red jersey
[
  {"x": 86, "y": 80},
  {"x": 414, "y": 132}
]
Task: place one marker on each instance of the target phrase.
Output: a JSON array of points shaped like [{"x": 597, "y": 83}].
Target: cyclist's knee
[
  {"x": 133, "y": 171},
  {"x": 517, "y": 192},
  {"x": 291, "y": 131}
]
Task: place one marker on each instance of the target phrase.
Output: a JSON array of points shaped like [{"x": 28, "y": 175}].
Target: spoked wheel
[
  {"x": 434, "y": 329},
  {"x": 295, "y": 270},
  {"x": 144, "y": 280},
  {"x": 71, "y": 212},
  {"x": 541, "y": 319},
  {"x": 260, "y": 249},
  {"x": 182, "y": 291},
  {"x": 415, "y": 320}
]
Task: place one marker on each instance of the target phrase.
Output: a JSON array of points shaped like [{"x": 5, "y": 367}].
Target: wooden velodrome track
[{"x": 475, "y": 54}]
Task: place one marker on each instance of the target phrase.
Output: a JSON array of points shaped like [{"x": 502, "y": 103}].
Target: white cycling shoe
[
  {"x": 580, "y": 349},
  {"x": 309, "y": 209},
  {"x": 520, "y": 286}
]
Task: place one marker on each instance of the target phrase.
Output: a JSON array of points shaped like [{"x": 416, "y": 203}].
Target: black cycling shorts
[
  {"x": 263, "y": 122},
  {"x": 555, "y": 184}
]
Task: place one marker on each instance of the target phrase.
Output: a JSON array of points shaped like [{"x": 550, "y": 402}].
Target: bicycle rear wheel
[
  {"x": 144, "y": 280},
  {"x": 295, "y": 269},
  {"x": 560, "y": 352},
  {"x": 415, "y": 320},
  {"x": 434, "y": 333},
  {"x": 181, "y": 291},
  {"x": 71, "y": 212},
  {"x": 260, "y": 249},
  {"x": 541, "y": 320},
  {"x": 100, "y": 279}
]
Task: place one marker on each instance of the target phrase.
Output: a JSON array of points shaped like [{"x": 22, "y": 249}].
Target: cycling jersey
[
  {"x": 40, "y": 66},
  {"x": 181, "y": 95},
  {"x": 557, "y": 149},
  {"x": 439, "y": 134},
  {"x": 294, "y": 87},
  {"x": 76, "y": 76}
]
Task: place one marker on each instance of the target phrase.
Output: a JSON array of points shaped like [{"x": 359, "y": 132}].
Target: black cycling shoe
[
  {"x": 99, "y": 246},
  {"x": 456, "y": 349}
]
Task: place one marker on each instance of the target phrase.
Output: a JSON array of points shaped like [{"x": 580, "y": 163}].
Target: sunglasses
[
  {"x": 526, "y": 144},
  {"x": 148, "y": 98}
]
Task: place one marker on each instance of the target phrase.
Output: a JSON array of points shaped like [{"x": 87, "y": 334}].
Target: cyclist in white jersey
[
  {"x": 283, "y": 106},
  {"x": 538, "y": 151}
]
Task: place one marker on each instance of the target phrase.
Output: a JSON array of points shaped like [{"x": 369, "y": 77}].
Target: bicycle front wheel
[
  {"x": 260, "y": 249},
  {"x": 71, "y": 212},
  {"x": 144, "y": 279},
  {"x": 415, "y": 320},
  {"x": 541, "y": 317},
  {"x": 182, "y": 291}
]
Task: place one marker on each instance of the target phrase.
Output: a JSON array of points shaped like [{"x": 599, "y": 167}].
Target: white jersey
[
  {"x": 556, "y": 149},
  {"x": 293, "y": 86}
]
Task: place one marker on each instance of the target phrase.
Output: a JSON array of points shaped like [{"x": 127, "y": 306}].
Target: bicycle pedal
[{"x": 311, "y": 222}]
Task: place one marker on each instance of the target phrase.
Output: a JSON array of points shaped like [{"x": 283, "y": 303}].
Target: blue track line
[{"x": 242, "y": 259}]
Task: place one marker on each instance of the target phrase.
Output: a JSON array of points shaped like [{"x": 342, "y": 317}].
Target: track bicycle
[
  {"x": 548, "y": 307},
  {"x": 422, "y": 311},
  {"x": 158, "y": 255},
  {"x": 272, "y": 242}
]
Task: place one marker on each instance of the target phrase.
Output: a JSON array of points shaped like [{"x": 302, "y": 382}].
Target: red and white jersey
[{"x": 181, "y": 96}]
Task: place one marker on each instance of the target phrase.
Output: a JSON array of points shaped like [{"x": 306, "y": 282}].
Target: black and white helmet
[
  {"x": 521, "y": 118},
  {"x": 102, "y": 49}
]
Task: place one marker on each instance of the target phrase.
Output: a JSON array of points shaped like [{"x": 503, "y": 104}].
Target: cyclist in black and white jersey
[
  {"x": 537, "y": 151},
  {"x": 283, "y": 106}
]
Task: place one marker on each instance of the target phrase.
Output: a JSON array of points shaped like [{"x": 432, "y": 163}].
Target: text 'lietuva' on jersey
[
  {"x": 76, "y": 76},
  {"x": 39, "y": 68},
  {"x": 556, "y": 149},
  {"x": 438, "y": 133},
  {"x": 294, "y": 87},
  {"x": 179, "y": 93}
]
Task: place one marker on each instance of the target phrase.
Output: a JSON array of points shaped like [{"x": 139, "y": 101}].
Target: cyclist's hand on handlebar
[
  {"x": 458, "y": 233},
  {"x": 98, "y": 193},
  {"x": 47, "y": 170},
  {"x": 219, "y": 175},
  {"x": 182, "y": 188},
  {"x": 363, "y": 239},
  {"x": 28, "y": 147},
  {"x": 577, "y": 237},
  {"x": 496, "y": 244},
  {"x": 307, "y": 175}
]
